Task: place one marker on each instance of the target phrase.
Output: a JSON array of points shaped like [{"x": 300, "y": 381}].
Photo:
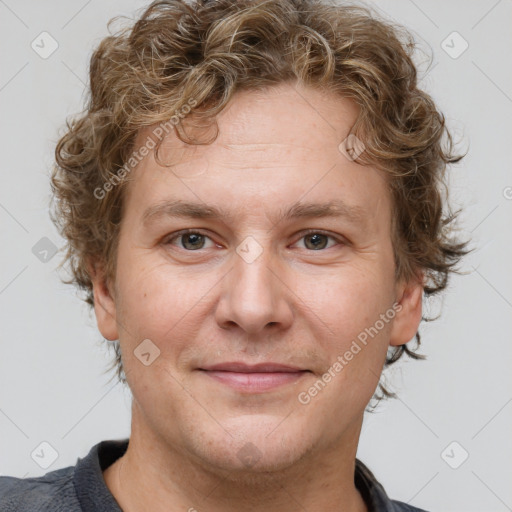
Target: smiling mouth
[{"x": 254, "y": 378}]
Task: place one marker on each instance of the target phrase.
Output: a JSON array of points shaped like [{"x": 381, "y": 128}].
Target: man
[{"x": 252, "y": 205}]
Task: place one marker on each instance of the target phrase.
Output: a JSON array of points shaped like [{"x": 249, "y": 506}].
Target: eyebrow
[{"x": 186, "y": 209}]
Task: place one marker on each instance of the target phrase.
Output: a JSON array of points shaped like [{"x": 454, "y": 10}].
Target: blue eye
[
  {"x": 194, "y": 240},
  {"x": 190, "y": 240},
  {"x": 317, "y": 240}
]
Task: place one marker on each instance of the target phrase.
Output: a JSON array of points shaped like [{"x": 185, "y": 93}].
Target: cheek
[
  {"x": 160, "y": 303},
  {"x": 355, "y": 344},
  {"x": 349, "y": 301},
  {"x": 157, "y": 304},
  {"x": 355, "y": 314},
  {"x": 156, "y": 295}
]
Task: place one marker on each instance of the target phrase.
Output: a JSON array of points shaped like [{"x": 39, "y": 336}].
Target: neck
[{"x": 154, "y": 476}]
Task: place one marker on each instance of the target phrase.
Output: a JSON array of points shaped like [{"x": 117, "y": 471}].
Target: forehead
[
  {"x": 257, "y": 122},
  {"x": 275, "y": 145},
  {"x": 297, "y": 115}
]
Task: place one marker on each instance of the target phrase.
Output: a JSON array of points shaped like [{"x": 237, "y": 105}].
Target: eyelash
[{"x": 303, "y": 234}]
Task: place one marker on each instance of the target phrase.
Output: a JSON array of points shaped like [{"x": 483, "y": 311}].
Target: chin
[{"x": 260, "y": 446}]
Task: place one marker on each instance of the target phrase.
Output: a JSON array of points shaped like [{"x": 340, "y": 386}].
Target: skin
[{"x": 293, "y": 305}]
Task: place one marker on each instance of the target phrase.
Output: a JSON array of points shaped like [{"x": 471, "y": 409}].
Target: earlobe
[
  {"x": 104, "y": 304},
  {"x": 408, "y": 317}
]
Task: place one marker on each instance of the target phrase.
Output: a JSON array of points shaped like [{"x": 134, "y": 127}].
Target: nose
[{"x": 254, "y": 296}]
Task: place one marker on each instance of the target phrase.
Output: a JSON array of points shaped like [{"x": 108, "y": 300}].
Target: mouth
[{"x": 254, "y": 378}]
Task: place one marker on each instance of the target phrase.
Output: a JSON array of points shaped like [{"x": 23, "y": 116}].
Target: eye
[
  {"x": 190, "y": 240},
  {"x": 318, "y": 240},
  {"x": 193, "y": 240}
]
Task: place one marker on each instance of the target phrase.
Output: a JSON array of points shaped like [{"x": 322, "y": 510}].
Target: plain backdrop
[{"x": 457, "y": 404}]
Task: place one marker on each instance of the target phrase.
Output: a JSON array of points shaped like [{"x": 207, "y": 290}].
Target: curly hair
[{"x": 206, "y": 51}]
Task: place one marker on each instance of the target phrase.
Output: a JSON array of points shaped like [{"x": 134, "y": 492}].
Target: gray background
[{"x": 52, "y": 383}]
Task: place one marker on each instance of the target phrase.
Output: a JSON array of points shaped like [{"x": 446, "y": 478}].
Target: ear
[
  {"x": 408, "y": 315},
  {"x": 104, "y": 304}
]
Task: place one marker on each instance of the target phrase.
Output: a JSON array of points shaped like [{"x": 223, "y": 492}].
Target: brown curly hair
[{"x": 179, "y": 50}]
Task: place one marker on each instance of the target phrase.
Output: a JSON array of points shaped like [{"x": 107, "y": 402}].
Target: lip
[
  {"x": 239, "y": 367},
  {"x": 254, "y": 378}
]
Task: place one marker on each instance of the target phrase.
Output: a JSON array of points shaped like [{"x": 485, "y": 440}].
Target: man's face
[{"x": 255, "y": 287}]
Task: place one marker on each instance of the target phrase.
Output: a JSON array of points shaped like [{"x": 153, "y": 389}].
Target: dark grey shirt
[{"x": 81, "y": 488}]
